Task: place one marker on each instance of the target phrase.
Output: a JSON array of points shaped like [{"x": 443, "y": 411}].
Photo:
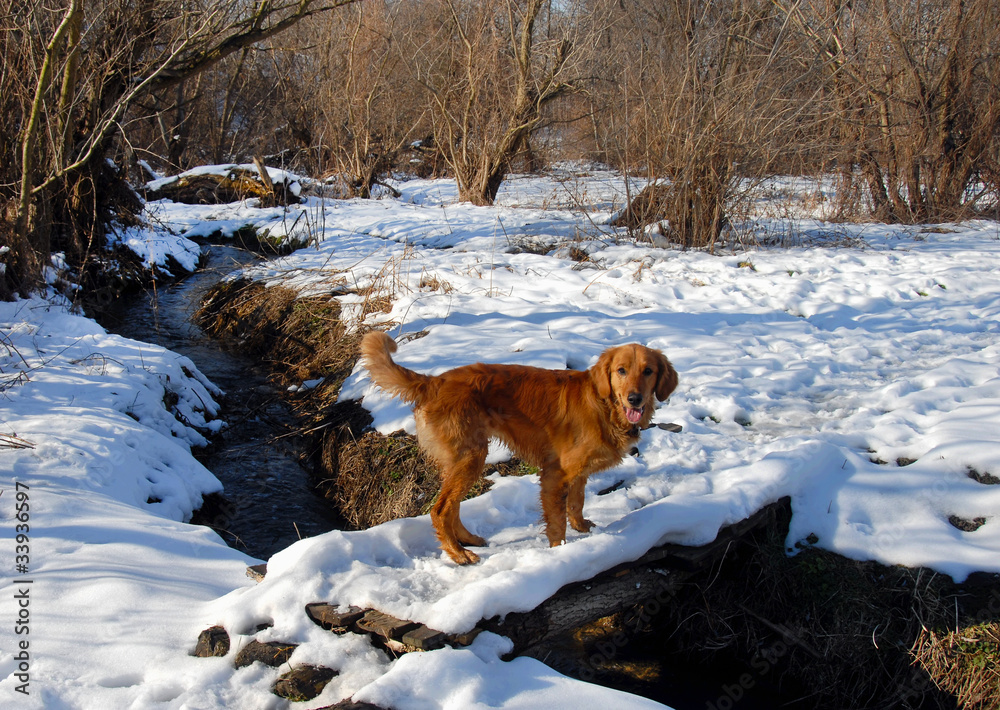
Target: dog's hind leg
[{"x": 457, "y": 478}]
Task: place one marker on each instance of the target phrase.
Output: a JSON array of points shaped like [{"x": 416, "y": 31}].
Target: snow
[{"x": 806, "y": 370}]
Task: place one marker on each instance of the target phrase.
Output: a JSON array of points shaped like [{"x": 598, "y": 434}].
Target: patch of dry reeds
[
  {"x": 299, "y": 338},
  {"x": 964, "y": 662}
]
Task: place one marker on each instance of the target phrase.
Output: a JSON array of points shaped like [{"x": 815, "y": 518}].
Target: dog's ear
[
  {"x": 666, "y": 379},
  {"x": 600, "y": 373}
]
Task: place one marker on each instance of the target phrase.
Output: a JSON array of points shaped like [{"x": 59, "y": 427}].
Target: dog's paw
[
  {"x": 473, "y": 540},
  {"x": 583, "y": 525},
  {"x": 461, "y": 556}
]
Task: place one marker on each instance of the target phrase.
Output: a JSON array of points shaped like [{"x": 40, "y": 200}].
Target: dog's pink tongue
[{"x": 633, "y": 415}]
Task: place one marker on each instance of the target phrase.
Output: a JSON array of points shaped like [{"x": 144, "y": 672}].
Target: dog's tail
[{"x": 376, "y": 353}]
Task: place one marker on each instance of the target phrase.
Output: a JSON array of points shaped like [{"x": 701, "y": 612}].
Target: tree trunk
[
  {"x": 480, "y": 135},
  {"x": 31, "y": 238}
]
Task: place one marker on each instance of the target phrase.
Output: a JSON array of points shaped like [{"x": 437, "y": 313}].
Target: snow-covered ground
[{"x": 805, "y": 371}]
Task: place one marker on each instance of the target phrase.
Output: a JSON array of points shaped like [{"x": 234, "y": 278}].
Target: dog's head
[{"x": 631, "y": 376}]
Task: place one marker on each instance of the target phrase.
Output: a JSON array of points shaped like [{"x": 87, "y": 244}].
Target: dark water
[{"x": 268, "y": 502}]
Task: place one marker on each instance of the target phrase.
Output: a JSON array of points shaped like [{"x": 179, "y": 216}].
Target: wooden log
[
  {"x": 265, "y": 177},
  {"x": 375, "y": 622},
  {"x": 650, "y": 582},
  {"x": 235, "y": 184},
  {"x": 579, "y": 604},
  {"x": 424, "y": 638},
  {"x": 464, "y": 639},
  {"x": 329, "y": 617}
]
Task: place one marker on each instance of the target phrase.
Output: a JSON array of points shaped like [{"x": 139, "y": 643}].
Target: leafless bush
[
  {"x": 368, "y": 111},
  {"x": 913, "y": 91},
  {"x": 76, "y": 71},
  {"x": 901, "y": 99},
  {"x": 706, "y": 104}
]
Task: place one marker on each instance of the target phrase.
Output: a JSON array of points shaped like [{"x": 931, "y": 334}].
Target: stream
[{"x": 267, "y": 502}]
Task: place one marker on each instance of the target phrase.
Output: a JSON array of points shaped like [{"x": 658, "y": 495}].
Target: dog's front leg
[
  {"x": 574, "y": 504},
  {"x": 554, "y": 496}
]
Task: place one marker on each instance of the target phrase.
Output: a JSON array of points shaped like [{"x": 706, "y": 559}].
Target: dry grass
[
  {"x": 965, "y": 663},
  {"x": 299, "y": 338},
  {"x": 372, "y": 478},
  {"x": 13, "y": 441},
  {"x": 375, "y": 478},
  {"x": 368, "y": 477}
]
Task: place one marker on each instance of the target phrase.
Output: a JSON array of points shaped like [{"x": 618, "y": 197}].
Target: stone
[
  {"x": 212, "y": 642},
  {"x": 303, "y": 683},
  {"x": 349, "y": 704},
  {"x": 273, "y": 653}
]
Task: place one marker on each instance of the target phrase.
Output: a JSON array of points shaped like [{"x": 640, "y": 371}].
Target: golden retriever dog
[{"x": 568, "y": 423}]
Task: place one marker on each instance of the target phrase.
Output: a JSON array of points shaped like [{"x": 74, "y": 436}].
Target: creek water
[{"x": 268, "y": 501}]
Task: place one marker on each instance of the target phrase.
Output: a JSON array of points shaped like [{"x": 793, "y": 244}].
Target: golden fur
[{"x": 567, "y": 423}]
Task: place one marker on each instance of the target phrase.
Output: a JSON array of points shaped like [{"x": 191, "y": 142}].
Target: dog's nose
[{"x": 635, "y": 399}]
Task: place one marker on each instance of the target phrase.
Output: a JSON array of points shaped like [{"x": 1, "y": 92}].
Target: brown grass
[
  {"x": 369, "y": 478},
  {"x": 298, "y": 338},
  {"x": 965, "y": 662},
  {"x": 373, "y": 478}
]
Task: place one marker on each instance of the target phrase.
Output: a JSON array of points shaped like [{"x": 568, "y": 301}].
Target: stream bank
[{"x": 268, "y": 500}]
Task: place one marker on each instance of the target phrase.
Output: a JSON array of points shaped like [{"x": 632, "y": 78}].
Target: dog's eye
[
  {"x": 622, "y": 371},
  {"x": 648, "y": 371}
]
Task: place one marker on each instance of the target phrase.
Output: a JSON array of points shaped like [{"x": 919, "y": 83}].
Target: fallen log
[
  {"x": 236, "y": 183},
  {"x": 653, "y": 579}
]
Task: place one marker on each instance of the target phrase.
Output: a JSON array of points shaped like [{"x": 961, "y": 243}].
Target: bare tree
[
  {"x": 916, "y": 92},
  {"x": 89, "y": 63},
  {"x": 705, "y": 95},
  {"x": 367, "y": 107},
  {"x": 226, "y": 113},
  {"x": 490, "y": 70}
]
